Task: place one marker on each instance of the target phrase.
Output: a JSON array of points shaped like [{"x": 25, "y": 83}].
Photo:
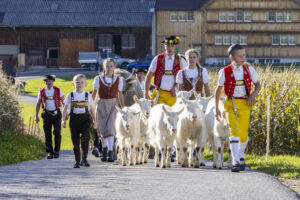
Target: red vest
[
  {"x": 56, "y": 97},
  {"x": 111, "y": 92},
  {"x": 230, "y": 82},
  {"x": 187, "y": 86},
  {"x": 160, "y": 68}
]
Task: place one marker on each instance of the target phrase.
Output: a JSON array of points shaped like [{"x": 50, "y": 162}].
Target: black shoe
[
  {"x": 50, "y": 156},
  {"x": 56, "y": 154},
  {"x": 173, "y": 157},
  {"x": 242, "y": 165},
  {"x": 110, "y": 156},
  {"x": 95, "y": 152},
  {"x": 236, "y": 167},
  {"x": 77, "y": 165},
  {"x": 104, "y": 155},
  {"x": 84, "y": 163}
]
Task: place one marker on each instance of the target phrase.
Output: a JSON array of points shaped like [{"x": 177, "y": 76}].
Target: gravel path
[{"x": 56, "y": 179}]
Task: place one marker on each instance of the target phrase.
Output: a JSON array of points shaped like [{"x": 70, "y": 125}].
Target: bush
[{"x": 9, "y": 102}]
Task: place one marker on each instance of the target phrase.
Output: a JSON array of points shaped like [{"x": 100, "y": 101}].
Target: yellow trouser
[
  {"x": 164, "y": 97},
  {"x": 238, "y": 128}
]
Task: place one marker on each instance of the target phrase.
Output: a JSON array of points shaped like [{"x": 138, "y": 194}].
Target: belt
[
  {"x": 165, "y": 90},
  {"x": 240, "y": 83},
  {"x": 51, "y": 112},
  {"x": 240, "y": 97},
  {"x": 168, "y": 72}
]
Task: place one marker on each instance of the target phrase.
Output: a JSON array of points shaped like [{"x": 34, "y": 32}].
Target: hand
[
  {"x": 95, "y": 125},
  {"x": 173, "y": 92},
  {"x": 217, "y": 114},
  {"x": 251, "y": 100},
  {"x": 147, "y": 95},
  {"x": 64, "y": 123},
  {"x": 37, "y": 119}
]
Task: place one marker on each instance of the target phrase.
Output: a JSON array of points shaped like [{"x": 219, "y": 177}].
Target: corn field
[{"x": 283, "y": 86}]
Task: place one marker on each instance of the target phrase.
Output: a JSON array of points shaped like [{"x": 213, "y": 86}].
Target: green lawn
[
  {"x": 29, "y": 111},
  {"x": 65, "y": 83},
  {"x": 33, "y": 149}
]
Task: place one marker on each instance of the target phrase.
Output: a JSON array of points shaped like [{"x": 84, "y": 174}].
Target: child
[
  {"x": 194, "y": 76},
  {"x": 236, "y": 79},
  {"x": 109, "y": 88},
  {"x": 80, "y": 104},
  {"x": 51, "y": 98}
]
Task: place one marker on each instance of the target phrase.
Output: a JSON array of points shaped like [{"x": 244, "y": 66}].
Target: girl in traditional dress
[
  {"x": 193, "y": 76},
  {"x": 109, "y": 88}
]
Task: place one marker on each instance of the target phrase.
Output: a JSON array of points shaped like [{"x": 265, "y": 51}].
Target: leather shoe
[
  {"x": 84, "y": 163},
  {"x": 236, "y": 167},
  {"x": 77, "y": 165},
  {"x": 242, "y": 165},
  {"x": 50, "y": 156},
  {"x": 95, "y": 152},
  {"x": 56, "y": 154},
  {"x": 110, "y": 157}
]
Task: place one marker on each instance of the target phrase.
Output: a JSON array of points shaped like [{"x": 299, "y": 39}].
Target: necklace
[{"x": 112, "y": 79}]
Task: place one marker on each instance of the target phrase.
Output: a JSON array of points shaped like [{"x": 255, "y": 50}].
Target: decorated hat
[
  {"x": 141, "y": 70},
  {"x": 171, "y": 40},
  {"x": 233, "y": 48},
  {"x": 50, "y": 77}
]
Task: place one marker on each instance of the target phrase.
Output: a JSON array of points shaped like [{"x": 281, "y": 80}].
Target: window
[
  {"x": 239, "y": 16},
  {"x": 190, "y": 16},
  {"x": 275, "y": 40},
  {"x": 231, "y": 16},
  {"x": 292, "y": 40},
  {"x": 181, "y": 17},
  {"x": 128, "y": 41},
  {"x": 222, "y": 16},
  {"x": 247, "y": 16},
  {"x": 283, "y": 40},
  {"x": 243, "y": 39},
  {"x": 173, "y": 17},
  {"x": 226, "y": 40},
  {"x": 279, "y": 17},
  {"x": 218, "y": 40},
  {"x": 287, "y": 17},
  {"x": 235, "y": 39},
  {"x": 105, "y": 41},
  {"x": 272, "y": 16}
]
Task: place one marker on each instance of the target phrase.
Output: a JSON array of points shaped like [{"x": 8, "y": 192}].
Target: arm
[
  {"x": 62, "y": 98},
  {"x": 207, "y": 90},
  {"x": 121, "y": 99},
  {"x": 173, "y": 90},
  {"x": 217, "y": 99},
  {"x": 64, "y": 115},
  {"x": 37, "y": 109},
  {"x": 252, "y": 97},
  {"x": 94, "y": 95},
  {"x": 147, "y": 84},
  {"x": 92, "y": 111}
]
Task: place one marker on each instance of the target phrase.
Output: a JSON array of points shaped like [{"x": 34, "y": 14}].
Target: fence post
[{"x": 268, "y": 128}]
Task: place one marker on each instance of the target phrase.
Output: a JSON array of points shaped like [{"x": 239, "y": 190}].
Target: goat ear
[
  {"x": 183, "y": 100},
  {"x": 196, "y": 94},
  {"x": 164, "y": 109},
  {"x": 179, "y": 112},
  {"x": 210, "y": 97},
  {"x": 136, "y": 113},
  {"x": 135, "y": 99},
  {"x": 152, "y": 103}
]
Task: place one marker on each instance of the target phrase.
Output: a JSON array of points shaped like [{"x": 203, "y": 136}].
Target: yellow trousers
[
  {"x": 238, "y": 128},
  {"x": 164, "y": 97}
]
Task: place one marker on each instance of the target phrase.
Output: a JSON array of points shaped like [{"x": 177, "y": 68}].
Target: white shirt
[
  {"x": 167, "y": 81},
  {"x": 142, "y": 85},
  {"x": 78, "y": 97},
  {"x": 96, "y": 84},
  {"x": 50, "y": 104},
  {"x": 238, "y": 73},
  {"x": 192, "y": 74}
]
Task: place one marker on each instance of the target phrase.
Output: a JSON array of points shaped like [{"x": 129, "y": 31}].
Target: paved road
[{"x": 56, "y": 179}]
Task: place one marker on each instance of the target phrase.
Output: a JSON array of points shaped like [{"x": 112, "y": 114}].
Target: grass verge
[
  {"x": 33, "y": 149},
  {"x": 29, "y": 111}
]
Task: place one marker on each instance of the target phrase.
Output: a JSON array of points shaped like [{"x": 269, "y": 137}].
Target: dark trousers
[
  {"x": 48, "y": 121},
  {"x": 80, "y": 134}
]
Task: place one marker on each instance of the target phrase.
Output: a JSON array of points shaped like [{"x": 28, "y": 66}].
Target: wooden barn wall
[{"x": 8, "y": 36}]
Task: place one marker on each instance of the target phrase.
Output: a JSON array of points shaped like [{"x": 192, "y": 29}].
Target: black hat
[
  {"x": 141, "y": 70},
  {"x": 233, "y": 48},
  {"x": 50, "y": 77},
  {"x": 171, "y": 40}
]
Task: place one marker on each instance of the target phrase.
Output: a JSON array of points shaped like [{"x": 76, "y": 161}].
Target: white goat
[
  {"x": 191, "y": 134},
  {"x": 143, "y": 106},
  {"x": 162, "y": 131},
  {"x": 218, "y": 132},
  {"x": 127, "y": 132}
]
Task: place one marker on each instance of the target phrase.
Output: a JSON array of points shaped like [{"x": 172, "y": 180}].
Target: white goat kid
[
  {"x": 191, "y": 135},
  {"x": 218, "y": 132},
  {"x": 127, "y": 132},
  {"x": 143, "y": 105},
  {"x": 162, "y": 131}
]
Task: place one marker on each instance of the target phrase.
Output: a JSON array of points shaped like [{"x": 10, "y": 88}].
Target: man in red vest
[
  {"x": 50, "y": 98},
  {"x": 236, "y": 79},
  {"x": 164, "y": 68}
]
